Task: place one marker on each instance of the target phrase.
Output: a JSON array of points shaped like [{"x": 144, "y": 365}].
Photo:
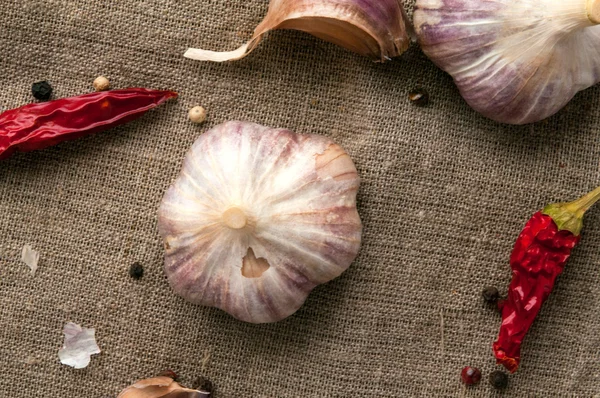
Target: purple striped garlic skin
[
  {"x": 514, "y": 61},
  {"x": 257, "y": 218},
  {"x": 374, "y": 28}
]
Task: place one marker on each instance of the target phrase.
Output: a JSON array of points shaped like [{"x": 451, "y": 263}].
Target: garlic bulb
[
  {"x": 375, "y": 28},
  {"x": 258, "y": 218},
  {"x": 160, "y": 387},
  {"x": 514, "y": 61}
]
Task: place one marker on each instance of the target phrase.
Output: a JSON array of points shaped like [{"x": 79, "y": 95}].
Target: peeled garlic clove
[
  {"x": 160, "y": 387},
  {"x": 514, "y": 61},
  {"x": 375, "y": 28},
  {"x": 258, "y": 218}
]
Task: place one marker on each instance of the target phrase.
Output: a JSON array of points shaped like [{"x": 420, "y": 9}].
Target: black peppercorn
[
  {"x": 499, "y": 379},
  {"x": 41, "y": 90},
  {"x": 419, "y": 96},
  {"x": 490, "y": 294},
  {"x": 203, "y": 384},
  {"x": 136, "y": 270}
]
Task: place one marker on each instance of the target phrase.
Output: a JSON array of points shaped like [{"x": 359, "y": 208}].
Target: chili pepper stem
[
  {"x": 584, "y": 203},
  {"x": 569, "y": 216}
]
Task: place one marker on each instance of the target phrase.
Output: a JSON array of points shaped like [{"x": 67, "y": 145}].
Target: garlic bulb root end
[{"x": 235, "y": 218}]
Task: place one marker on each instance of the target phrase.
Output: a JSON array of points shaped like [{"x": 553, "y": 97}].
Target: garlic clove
[
  {"x": 374, "y": 28},
  {"x": 258, "y": 218},
  {"x": 160, "y": 387},
  {"x": 513, "y": 61}
]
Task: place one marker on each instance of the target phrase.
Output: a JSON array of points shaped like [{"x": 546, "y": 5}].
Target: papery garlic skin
[
  {"x": 258, "y": 218},
  {"x": 374, "y": 28},
  {"x": 160, "y": 387},
  {"x": 31, "y": 258},
  {"x": 80, "y": 344},
  {"x": 514, "y": 61}
]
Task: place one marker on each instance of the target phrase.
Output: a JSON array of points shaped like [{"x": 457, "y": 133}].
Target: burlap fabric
[{"x": 445, "y": 193}]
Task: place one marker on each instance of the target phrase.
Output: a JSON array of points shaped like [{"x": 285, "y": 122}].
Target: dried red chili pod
[
  {"x": 39, "y": 125},
  {"x": 539, "y": 256}
]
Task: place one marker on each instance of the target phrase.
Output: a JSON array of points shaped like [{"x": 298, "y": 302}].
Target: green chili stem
[{"x": 581, "y": 205}]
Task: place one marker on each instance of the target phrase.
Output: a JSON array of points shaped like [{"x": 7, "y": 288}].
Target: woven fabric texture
[{"x": 444, "y": 194}]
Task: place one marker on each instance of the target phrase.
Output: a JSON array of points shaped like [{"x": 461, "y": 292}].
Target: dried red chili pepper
[
  {"x": 538, "y": 257},
  {"x": 37, "y": 126}
]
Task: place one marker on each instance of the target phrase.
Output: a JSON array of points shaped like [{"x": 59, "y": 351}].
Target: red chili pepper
[
  {"x": 39, "y": 125},
  {"x": 538, "y": 257}
]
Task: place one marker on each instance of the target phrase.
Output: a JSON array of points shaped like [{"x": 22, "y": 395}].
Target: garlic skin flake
[
  {"x": 160, "y": 387},
  {"x": 514, "y": 61},
  {"x": 374, "y": 28},
  {"x": 31, "y": 258},
  {"x": 258, "y": 218},
  {"x": 79, "y": 345}
]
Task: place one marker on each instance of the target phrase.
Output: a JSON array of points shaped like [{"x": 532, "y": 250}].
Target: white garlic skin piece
[
  {"x": 258, "y": 218},
  {"x": 374, "y": 28},
  {"x": 514, "y": 61}
]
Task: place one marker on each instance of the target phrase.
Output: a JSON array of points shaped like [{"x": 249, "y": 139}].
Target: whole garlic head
[
  {"x": 514, "y": 61},
  {"x": 374, "y": 28},
  {"x": 258, "y": 218}
]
